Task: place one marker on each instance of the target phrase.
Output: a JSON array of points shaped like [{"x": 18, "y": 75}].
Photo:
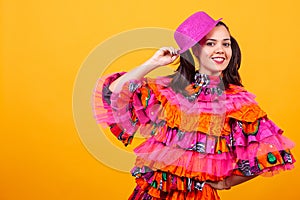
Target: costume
[{"x": 210, "y": 134}]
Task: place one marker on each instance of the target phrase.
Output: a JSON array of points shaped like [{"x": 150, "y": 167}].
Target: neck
[{"x": 209, "y": 73}]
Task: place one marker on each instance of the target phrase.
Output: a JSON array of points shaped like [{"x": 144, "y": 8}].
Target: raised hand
[{"x": 164, "y": 56}]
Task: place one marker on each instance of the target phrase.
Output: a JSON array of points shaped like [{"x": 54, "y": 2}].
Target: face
[{"x": 214, "y": 51}]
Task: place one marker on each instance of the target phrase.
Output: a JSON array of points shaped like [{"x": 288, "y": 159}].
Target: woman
[{"x": 204, "y": 131}]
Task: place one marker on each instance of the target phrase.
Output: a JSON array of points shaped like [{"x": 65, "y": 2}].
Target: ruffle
[
  {"x": 266, "y": 165},
  {"x": 241, "y": 105},
  {"x": 195, "y": 141},
  {"x": 180, "y": 112},
  {"x": 115, "y": 110},
  {"x": 218, "y": 156},
  {"x": 193, "y": 138},
  {"x": 211, "y": 102},
  {"x": 198, "y": 116},
  {"x": 231, "y": 100},
  {"x": 151, "y": 101},
  {"x": 262, "y": 131},
  {"x": 259, "y": 138},
  {"x": 101, "y": 103},
  {"x": 178, "y": 171},
  {"x": 163, "y": 185},
  {"x": 156, "y": 156},
  {"x": 261, "y": 148}
]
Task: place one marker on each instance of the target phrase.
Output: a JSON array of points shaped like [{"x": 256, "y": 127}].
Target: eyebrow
[{"x": 216, "y": 40}]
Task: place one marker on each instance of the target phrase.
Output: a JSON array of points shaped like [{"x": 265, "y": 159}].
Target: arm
[
  {"x": 230, "y": 181},
  {"x": 163, "y": 56}
]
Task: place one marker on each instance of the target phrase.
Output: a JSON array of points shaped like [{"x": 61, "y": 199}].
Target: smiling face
[{"x": 214, "y": 51}]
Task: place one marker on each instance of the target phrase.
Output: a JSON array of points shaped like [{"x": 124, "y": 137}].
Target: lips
[{"x": 218, "y": 60}]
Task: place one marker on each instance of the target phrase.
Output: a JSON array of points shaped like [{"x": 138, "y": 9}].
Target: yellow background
[{"x": 44, "y": 43}]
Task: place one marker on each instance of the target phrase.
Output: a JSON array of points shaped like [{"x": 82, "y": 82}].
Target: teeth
[{"x": 218, "y": 59}]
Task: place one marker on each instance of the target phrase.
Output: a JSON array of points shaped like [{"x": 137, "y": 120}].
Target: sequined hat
[{"x": 193, "y": 29}]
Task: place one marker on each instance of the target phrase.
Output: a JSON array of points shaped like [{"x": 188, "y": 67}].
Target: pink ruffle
[
  {"x": 156, "y": 155},
  {"x": 206, "y": 103},
  {"x": 125, "y": 112},
  {"x": 271, "y": 171},
  {"x": 102, "y": 110},
  {"x": 268, "y": 138},
  {"x": 190, "y": 140},
  {"x": 238, "y": 100}
]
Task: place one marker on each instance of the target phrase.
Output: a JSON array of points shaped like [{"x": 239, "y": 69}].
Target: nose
[{"x": 219, "y": 49}]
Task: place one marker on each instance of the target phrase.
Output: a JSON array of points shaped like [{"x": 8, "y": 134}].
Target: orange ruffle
[
  {"x": 271, "y": 163},
  {"x": 247, "y": 113},
  {"x": 167, "y": 190},
  {"x": 212, "y": 124},
  {"x": 199, "y": 176}
]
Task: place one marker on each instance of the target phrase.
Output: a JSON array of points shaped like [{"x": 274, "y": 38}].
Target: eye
[
  {"x": 227, "y": 44},
  {"x": 211, "y": 44}
]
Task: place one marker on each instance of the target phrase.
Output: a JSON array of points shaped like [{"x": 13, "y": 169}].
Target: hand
[
  {"x": 164, "y": 56},
  {"x": 220, "y": 185}
]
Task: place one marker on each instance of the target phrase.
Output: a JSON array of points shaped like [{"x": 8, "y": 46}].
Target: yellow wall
[{"x": 43, "y": 47}]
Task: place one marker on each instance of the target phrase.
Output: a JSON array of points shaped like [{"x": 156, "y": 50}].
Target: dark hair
[{"x": 185, "y": 73}]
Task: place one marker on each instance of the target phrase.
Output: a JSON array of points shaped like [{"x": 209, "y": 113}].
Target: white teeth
[{"x": 218, "y": 59}]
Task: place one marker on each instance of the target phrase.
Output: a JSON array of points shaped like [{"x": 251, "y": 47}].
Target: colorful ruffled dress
[{"x": 209, "y": 134}]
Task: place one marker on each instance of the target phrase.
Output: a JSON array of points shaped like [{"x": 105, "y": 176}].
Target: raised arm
[{"x": 162, "y": 57}]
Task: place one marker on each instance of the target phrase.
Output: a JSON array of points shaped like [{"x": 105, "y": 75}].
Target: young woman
[{"x": 204, "y": 131}]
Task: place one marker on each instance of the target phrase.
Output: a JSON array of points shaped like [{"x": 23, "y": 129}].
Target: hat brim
[{"x": 200, "y": 36}]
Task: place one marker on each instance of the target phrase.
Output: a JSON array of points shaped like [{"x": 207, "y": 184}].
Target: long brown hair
[{"x": 185, "y": 73}]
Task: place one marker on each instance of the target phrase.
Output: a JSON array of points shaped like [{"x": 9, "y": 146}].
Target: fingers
[
  {"x": 165, "y": 56},
  {"x": 173, "y": 51},
  {"x": 170, "y": 50},
  {"x": 174, "y": 57}
]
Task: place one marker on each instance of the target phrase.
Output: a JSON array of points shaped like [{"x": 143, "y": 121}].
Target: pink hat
[{"x": 193, "y": 29}]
